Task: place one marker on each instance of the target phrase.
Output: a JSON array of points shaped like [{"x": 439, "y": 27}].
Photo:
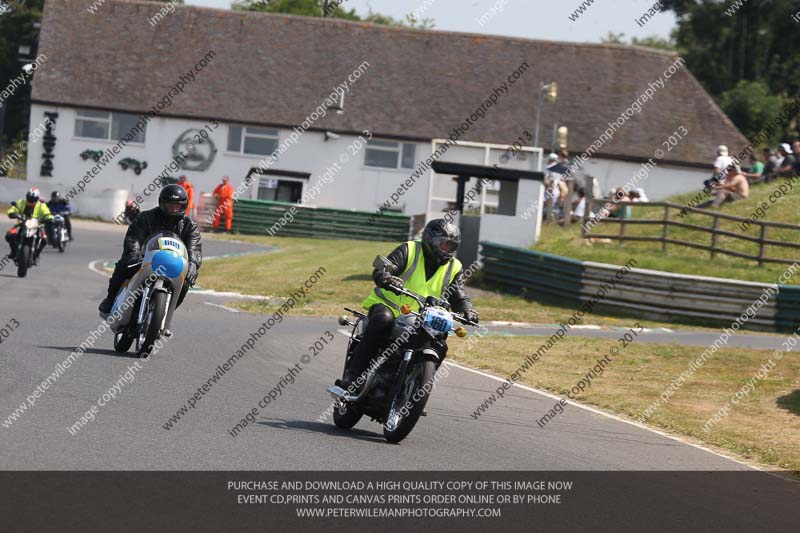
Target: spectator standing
[
  {"x": 223, "y": 194},
  {"x": 187, "y": 185},
  {"x": 557, "y": 186}
]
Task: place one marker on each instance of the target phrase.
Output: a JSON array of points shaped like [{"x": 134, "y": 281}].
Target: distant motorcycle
[
  {"x": 146, "y": 302},
  {"x": 397, "y": 387},
  {"x": 29, "y": 237},
  {"x": 59, "y": 237}
]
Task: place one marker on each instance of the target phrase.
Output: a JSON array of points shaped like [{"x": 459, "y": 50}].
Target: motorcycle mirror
[
  {"x": 344, "y": 320},
  {"x": 381, "y": 263}
]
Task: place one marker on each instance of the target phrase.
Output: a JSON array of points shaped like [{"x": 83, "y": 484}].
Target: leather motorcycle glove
[
  {"x": 191, "y": 275},
  {"x": 387, "y": 281},
  {"x": 471, "y": 315}
]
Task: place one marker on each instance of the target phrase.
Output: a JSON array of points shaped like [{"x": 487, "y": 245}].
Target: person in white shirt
[
  {"x": 555, "y": 179},
  {"x": 722, "y": 162}
]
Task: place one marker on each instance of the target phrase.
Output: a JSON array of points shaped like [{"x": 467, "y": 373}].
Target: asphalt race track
[{"x": 56, "y": 308}]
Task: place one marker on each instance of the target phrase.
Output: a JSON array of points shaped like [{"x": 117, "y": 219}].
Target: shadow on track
[
  {"x": 790, "y": 402},
  {"x": 96, "y": 351},
  {"x": 318, "y": 427},
  {"x": 358, "y": 277}
]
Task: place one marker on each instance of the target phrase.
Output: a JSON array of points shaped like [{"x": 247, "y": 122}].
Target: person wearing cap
[
  {"x": 187, "y": 185},
  {"x": 720, "y": 164},
  {"x": 786, "y": 166},
  {"x": 558, "y": 187},
  {"x": 223, "y": 194},
  {"x": 735, "y": 187}
]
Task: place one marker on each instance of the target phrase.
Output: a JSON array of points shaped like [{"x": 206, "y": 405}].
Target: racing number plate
[
  {"x": 166, "y": 243},
  {"x": 438, "y": 320}
]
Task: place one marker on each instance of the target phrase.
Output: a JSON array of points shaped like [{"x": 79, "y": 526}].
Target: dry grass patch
[{"x": 764, "y": 427}]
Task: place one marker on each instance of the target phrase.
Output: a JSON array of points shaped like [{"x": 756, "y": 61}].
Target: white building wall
[
  {"x": 661, "y": 182},
  {"x": 354, "y": 186}
]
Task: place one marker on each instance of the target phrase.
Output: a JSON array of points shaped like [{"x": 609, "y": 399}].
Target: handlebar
[{"x": 432, "y": 300}]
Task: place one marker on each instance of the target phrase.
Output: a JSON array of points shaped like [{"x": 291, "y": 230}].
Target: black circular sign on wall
[{"x": 192, "y": 151}]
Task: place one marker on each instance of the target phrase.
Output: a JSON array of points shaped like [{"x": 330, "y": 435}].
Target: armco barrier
[
  {"x": 256, "y": 217},
  {"x": 647, "y": 293}
]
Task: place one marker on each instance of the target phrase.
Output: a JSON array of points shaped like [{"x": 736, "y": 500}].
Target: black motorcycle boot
[{"x": 114, "y": 285}]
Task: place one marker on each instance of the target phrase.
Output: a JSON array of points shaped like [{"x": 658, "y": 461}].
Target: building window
[
  {"x": 277, "y": 190},
  {"x": 107, "y": 125},
  {"x": 249, "y": 140},
  {"x": 389, "y": 154}
]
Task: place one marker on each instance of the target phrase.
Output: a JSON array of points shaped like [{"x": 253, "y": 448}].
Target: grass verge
[
  {"x": 349, "y": 280},
  {"x": 764, "y": 427},
  {"x": 569, "y": 242}
]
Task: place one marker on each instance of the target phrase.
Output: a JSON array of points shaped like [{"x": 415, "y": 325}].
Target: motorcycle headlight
[{"x": 31, "y": 223}]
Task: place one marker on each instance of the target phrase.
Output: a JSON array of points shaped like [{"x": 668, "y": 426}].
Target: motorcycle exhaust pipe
[{"x": 339, "y": 393}]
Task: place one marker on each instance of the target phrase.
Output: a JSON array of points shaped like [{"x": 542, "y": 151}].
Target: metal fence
[
  {"x": 645, "y": 293},
  {"x": 714, "y": 231}
]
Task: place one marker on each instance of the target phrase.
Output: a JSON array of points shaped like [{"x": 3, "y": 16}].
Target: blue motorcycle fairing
[{"x": 168, "y": 262}]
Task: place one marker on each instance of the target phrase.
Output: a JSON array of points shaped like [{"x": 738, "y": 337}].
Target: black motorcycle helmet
[
  {"x": 55, "y": 196},
  {"x": 441, "y": 239},
  {"x": 173, "y": 201}
]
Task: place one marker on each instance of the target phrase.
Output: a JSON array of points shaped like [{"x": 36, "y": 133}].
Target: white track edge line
[{"x": 605, "y": 414}]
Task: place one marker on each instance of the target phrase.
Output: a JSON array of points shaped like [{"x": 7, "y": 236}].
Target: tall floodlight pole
[{"x": 551, "y": 91}]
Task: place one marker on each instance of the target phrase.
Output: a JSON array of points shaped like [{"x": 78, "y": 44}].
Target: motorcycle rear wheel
[
  {"x": 406, "y": 396},
  {"x": 346, "y": 416}
]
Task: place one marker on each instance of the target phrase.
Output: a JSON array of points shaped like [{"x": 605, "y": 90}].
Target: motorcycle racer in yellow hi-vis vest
[{"x": 427, "y": 267}]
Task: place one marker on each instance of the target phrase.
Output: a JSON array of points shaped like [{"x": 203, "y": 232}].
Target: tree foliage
[
  {"x": 756, "y": 42},
  {"x": 315, "y": 8}
]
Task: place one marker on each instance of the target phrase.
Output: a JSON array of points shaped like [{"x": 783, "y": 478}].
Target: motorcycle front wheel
[
  {"x": 151, "y": 329},
  {"x": 23, "y": 258},
  {"x": 123, "y": 341},
  {"x": 408, "y": 404}
]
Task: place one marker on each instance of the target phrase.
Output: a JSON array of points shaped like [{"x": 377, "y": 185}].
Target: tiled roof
[{"x": 275, "y": 69}]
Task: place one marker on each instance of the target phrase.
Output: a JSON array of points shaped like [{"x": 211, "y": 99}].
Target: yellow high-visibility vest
[{"x": 413, "y": 277}]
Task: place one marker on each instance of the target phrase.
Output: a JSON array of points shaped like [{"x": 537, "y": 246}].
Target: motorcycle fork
[
  {"x": 397, "y": 382},
  {"x": 143, "y": 306}
]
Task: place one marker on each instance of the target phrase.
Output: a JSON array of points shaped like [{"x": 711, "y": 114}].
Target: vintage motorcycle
[
  {"x": 29, "y": 239},
  {"x": 399, "y": 381},
  {"x": 146, "y": 302}
]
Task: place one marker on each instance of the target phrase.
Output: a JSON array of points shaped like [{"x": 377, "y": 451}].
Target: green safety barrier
[
  {"x": 258, "y": 217},
  {"x": 645, "y": 293}
]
